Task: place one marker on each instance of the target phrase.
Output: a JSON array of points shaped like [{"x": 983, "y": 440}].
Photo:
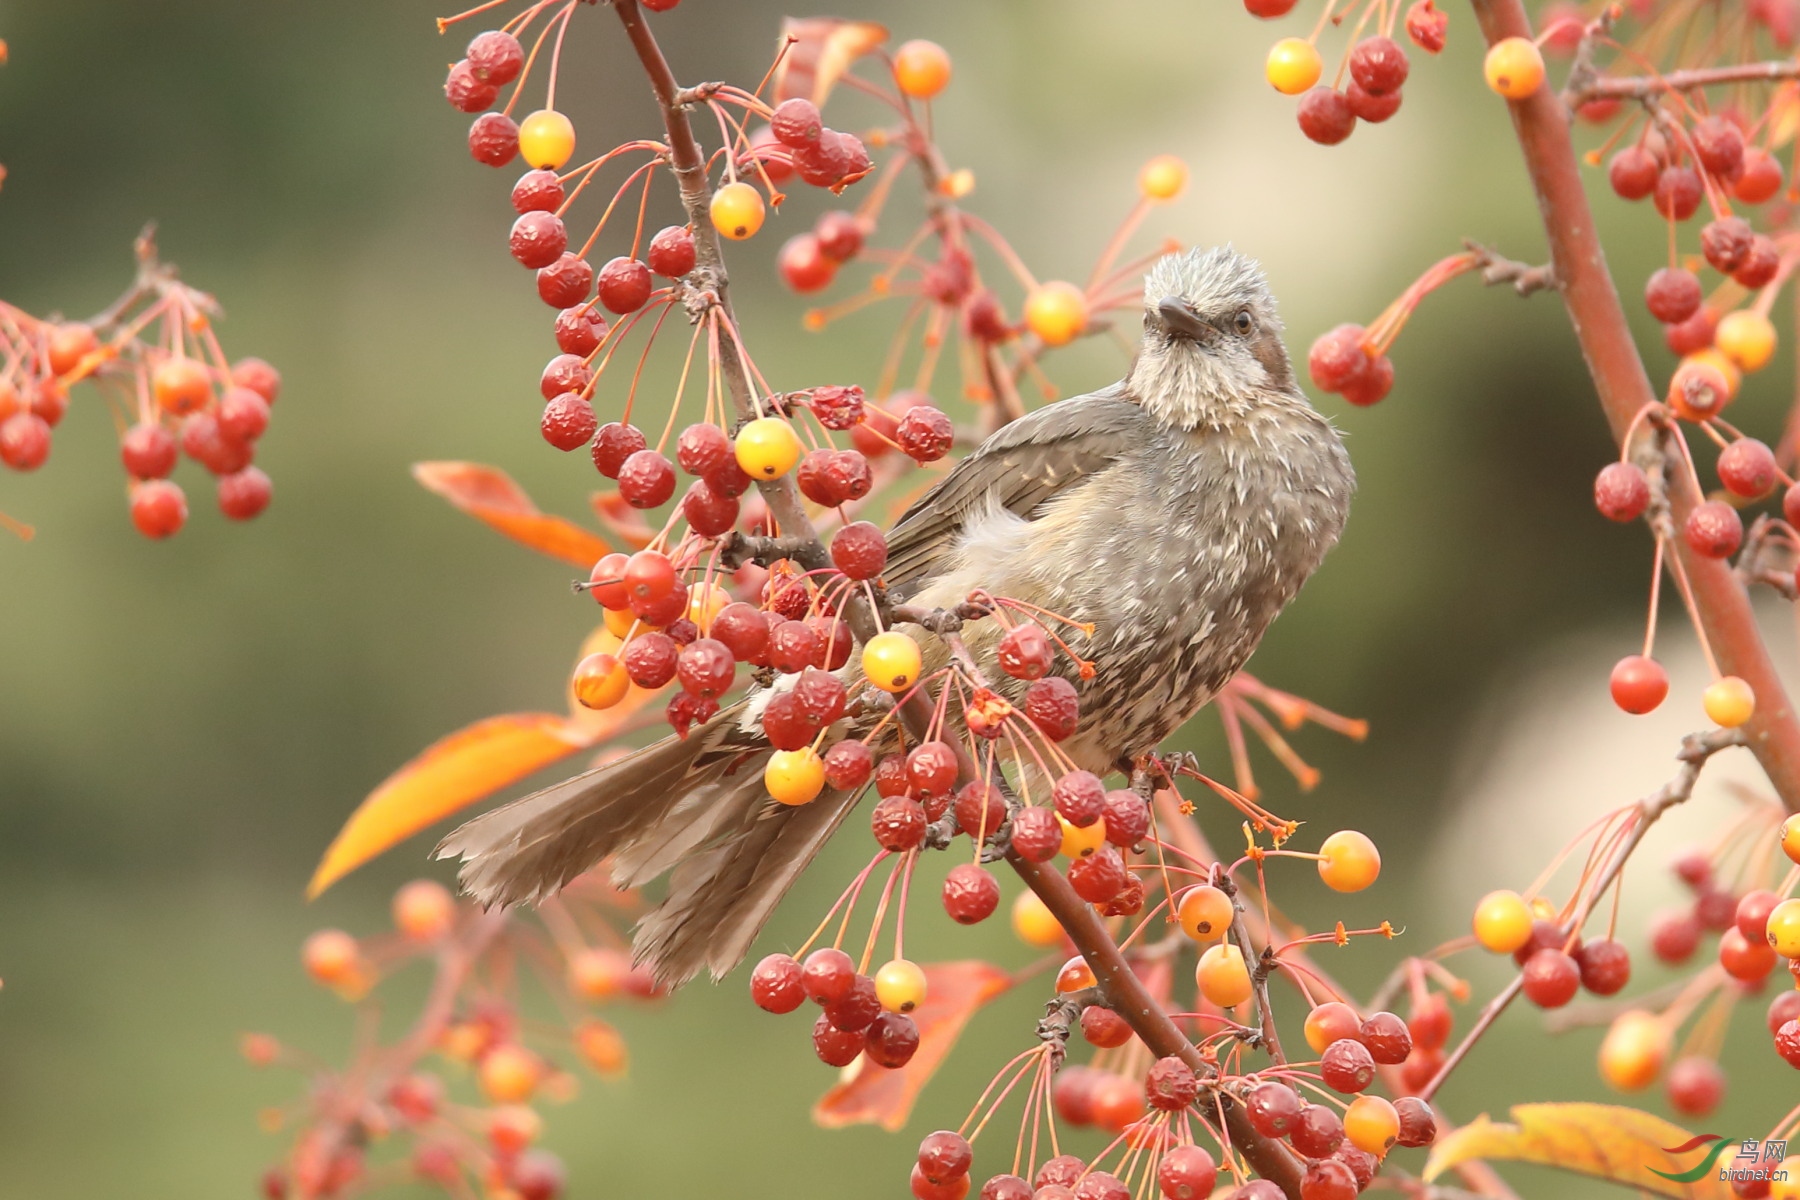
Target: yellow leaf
[
  {"x": 822, "y": 50},
  {"x": 452, "y": 773},
  {"x": 873, "y": 1095},
  {"x": 1784, "y": 114},
  {"x": 1605, "y": 1141},
  {"x": 490, "y": 495}
]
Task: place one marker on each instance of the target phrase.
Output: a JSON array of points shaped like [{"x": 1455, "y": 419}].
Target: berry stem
[{"x": 1542, "y": 125}]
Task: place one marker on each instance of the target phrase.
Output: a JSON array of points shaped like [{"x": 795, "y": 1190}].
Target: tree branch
[
  {"x": 1643, "y": 87},
  {"x": 1542, "y": 125}
]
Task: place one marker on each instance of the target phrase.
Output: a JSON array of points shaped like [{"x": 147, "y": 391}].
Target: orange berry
[
  {"x": 892, "y": 661},
  {"x": 768, "y": 448},
  {"x": 600, "y": 681},
  {"x": 331, "y": 956},
  {"x": 1728, "y": 702},
  {"x": 512, "y": 1128},
  {"x": 1080, "y": 841},
  {"x": 1162, "y": 178},
  {"x": 69, "y": 344},
  {"x": 1293, "y": 66},
  {"x": 1372, "y": 1125},
  {"x": 1747, "y": 338},
  {"x": 1514, "y": 67},
  {"x": 1033, "y": 921},
  {"x": 1222, "y": 975},
  {"x": 1502, "y": 922},
  {"x": 424, "y": 910},
  {"x": 704, "y": 602},
  {"x": 509, "y": 1073},
  {"x": 1348, "y": 861},
  {"x": 1784, "y": 1181},
  {"x": 1056, "y": 312},
  {"x": 921, "y": 68},
  {"x": 1205, "y": 913},
  {"x": 900, "y": 985},
  {"x": 180, "y": 386},
  {"x": 1790, "y": 838},
  {"x": 602, "y": 1048},
  {"x": 597, "y": 974},
  {"x": 737, "y": 211},
  {"x": 546, "y": 139},
  {"x": 619, "y": 622},
  {"x": 1632, "y": 1054},
  {"x": 795, "y": 777},
  {"x": 1332, "y": 1021},
  {"x": 1074, "y": 975}
]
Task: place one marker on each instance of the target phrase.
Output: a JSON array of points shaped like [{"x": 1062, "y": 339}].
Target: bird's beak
[{"x": 1180, "y": 319}]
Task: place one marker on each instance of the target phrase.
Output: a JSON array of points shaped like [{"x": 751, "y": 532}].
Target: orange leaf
[
  {"x": 823, "y": 49},
  {"x": 489, "y": 494},
  {"x": 621, "y": 520},
  {"x": 452, "y": 773},
  {"x": 1606, "y": 1141},
  {"x": 872, "y": 1095}
]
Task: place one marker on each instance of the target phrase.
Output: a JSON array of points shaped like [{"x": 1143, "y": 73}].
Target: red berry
[
  {"x": 671, "y": 252},
  {"x": 970, "y": 894},
  {"x": 1101, "y": 1185},
  {"x": 24, "y": 441},
  {"x": 786, "y": 724},
  {"x": 1080, "y": 798},
  {"x": 857, "y": 1008},
  {"x": 859, "y": 550},
  {"x": 647, "y": 479},
  {"x": 708, "y": 513},
  {"x": 1726, "y": 243},
  {"x": 744, "y": 630},
  {"x": 1053, "y": 706},
  {"x": 537, "y": 239},
  {"x": 1024, "y": 652},
  {"x": 496, "y": 56},
  {"x": 1127, "y": 818},
  {"x": 564, "y": 373},
  {"x": 244, "y": 494},
  {"x": 834, "y": 640},
  {"x": 702, "y": 449},
  {"x": 1638, "y": 684},
  {"x": 1325, "y": 116},
  {"x": 1379, "y": 65},
  {"x": 1784, "y": 1008},
  {"x": 201, "y": 441},
  {"x": 1337, "y": 358},
  {"x": 1551, "y": 978},
  {"x": 1387, "y": 1037},
  {"x": 1099, "y": 876},
  {"x": 925, "y": 433},
  {"x": 1674, "y": 936},
  {"x": 493, "y": 139},
  {"x": 648, "y": 575},
  {"x": 1752, "y": 914},
  {"x": 1714, "y": 529},
  {"x": 706, "y": 668},
  {"x": 1719, "y": 145},
  {"x": 1328, "y": 1179},
  {"x": 836, "y": 407},
  {"x": 1761, "y": 177},
  {"x": 803, "y": 265},
  {"x": 579, "y": 330},
  {"x": 650, "y": 660},
  {"x": 1370, "y": 107},
  {"x": 624, "y": 285},
  {"x": 848, "y": 765},
  {"x": 931, "y": 767},
  {"x": 980, "y": 810},
  {"x": 1715, "y": 910},
  {"x": 1427, "y": 26},
  {"x": 243, "y": 415},
  {"x": 1372, "y": 385},
  {"x": 1605, "y": 966},
  {"x": 1430, "y": 1022},
  {"x": 827, "y": 975},
  {"x": 792, "y": 647},
  {"x": 614, "y": 444},
  {"x": 565, "y": 282},
  {"x": 1673, "y": 294},
  {"x": 796, "y": 123},
  {"x": 1677, "y": 192},
  {"x": 158, "y": 507},
  {"x": 1065, "y": 1170},
  {"x": 1633, "y": 172},
  {"x": 1273, "y": 1108},
  {"x": 1418, "y": 1125},
  {"x": 466, "y": 91},
  {"x": 1105, "y": 1028},
  {"x": 1347, "y": 1066},
  {"x": 1036, "y": 836},
  {"x": 944, "y": 1156},
  {"x": 148, "y": 451},
  {"x": 1316, "y": 1131},
  {"x": 1744, "y": 960},
  {"x": 1695, "y": 1086},
  {"x": 1747, "y": 468},
  {"x": 1695, "y": 333},
  {"x": 898, "y": 822},
  {"x": 835, "y": 1047},
  {"x": 1761, "y": 265},
  {"x": 839, "y": 234},
  {"x": 1787, "y": 1042},
  {"x": 775, "y": 984},
  {"x": 890, "y": 1041},
  {"x": 1187, "y": 1173},
  {"x": 1621, "y": 492},
  {"x": 1268, "y": 10},
  {"x": 568, "y": 421},
  {"x": 537, "y": 191}
]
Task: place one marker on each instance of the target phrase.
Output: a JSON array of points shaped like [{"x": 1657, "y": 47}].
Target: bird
[{"x": 1171, "y": 516}]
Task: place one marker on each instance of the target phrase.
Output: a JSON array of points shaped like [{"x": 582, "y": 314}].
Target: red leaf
[{"x": 490, "y": 495}]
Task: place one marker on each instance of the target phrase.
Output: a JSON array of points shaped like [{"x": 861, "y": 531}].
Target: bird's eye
[{"x": 1244, "y": 321}]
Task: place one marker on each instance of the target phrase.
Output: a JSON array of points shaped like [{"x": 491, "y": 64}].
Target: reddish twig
[{"x": 1642, "y": 87}]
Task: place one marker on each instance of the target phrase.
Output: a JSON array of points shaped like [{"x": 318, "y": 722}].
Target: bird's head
[{"x": 1212, "y": 339}]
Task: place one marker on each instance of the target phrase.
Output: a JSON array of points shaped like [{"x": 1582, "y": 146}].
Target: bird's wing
[{"x": 1024, "y": 464}]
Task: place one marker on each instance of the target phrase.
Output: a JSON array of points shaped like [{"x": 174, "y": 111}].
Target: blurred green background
[{"x": 183, "y": 726}]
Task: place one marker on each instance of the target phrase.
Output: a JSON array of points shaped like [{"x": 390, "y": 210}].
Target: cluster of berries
[
  {"x": 387, "y": 1092},
  {"x": 861, "y": 1015},
  {"x": 1377, "y": 67}
]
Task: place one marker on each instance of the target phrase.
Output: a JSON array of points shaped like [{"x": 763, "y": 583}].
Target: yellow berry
[
  {"x": 508, "y": 1074},
  {"x": 180, "y": 386},
  {"x": 1205, "y": 913},
  {"x": 1790, "y": 838},
  {"x": 891, "y": 661},
  {"x": 900, "y": 985},
  {"x": 1372, "y": 1125},
  {"x": 331, "y": 956},
  {"x": 600, "y": 681},
  {"x": 546, "y": 139},
  {"x": 1222, "y": 975},
  {"x": 1033, "y": 921},
  {"x": 1162, "y": 178},
  {"x": 1080, "y": 841},
  {"x": 1348, "y": 861},
  {"x": 619, "y": 621},
  {"x": 1747, "y": 338},
  {"x": 1330, "y": 1022},
  {"x": 1293, "y": 66},
  {"x": 921, "y": 68},
  {"x": 424, "y": 910},
  {"x": 1502, "y": 922},
  {"x": 704, "y": 602},
  {"x": 1056, "y": 312},
  {"x": 1784, "y": 1181},
  {"x": 768, "y": 448},
  {"x": 1728, "y": 702},
  {"x": 795, "y": 776},
  {"x": 602, "y": 1048},
  {"x": 597, "y": 974},
  {"x": 1632, "y": 1054},
  {"x": 737, "y": 211},
  {"x": 1514, "y": 68},
  {"x": 1784, "y": 928}
]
